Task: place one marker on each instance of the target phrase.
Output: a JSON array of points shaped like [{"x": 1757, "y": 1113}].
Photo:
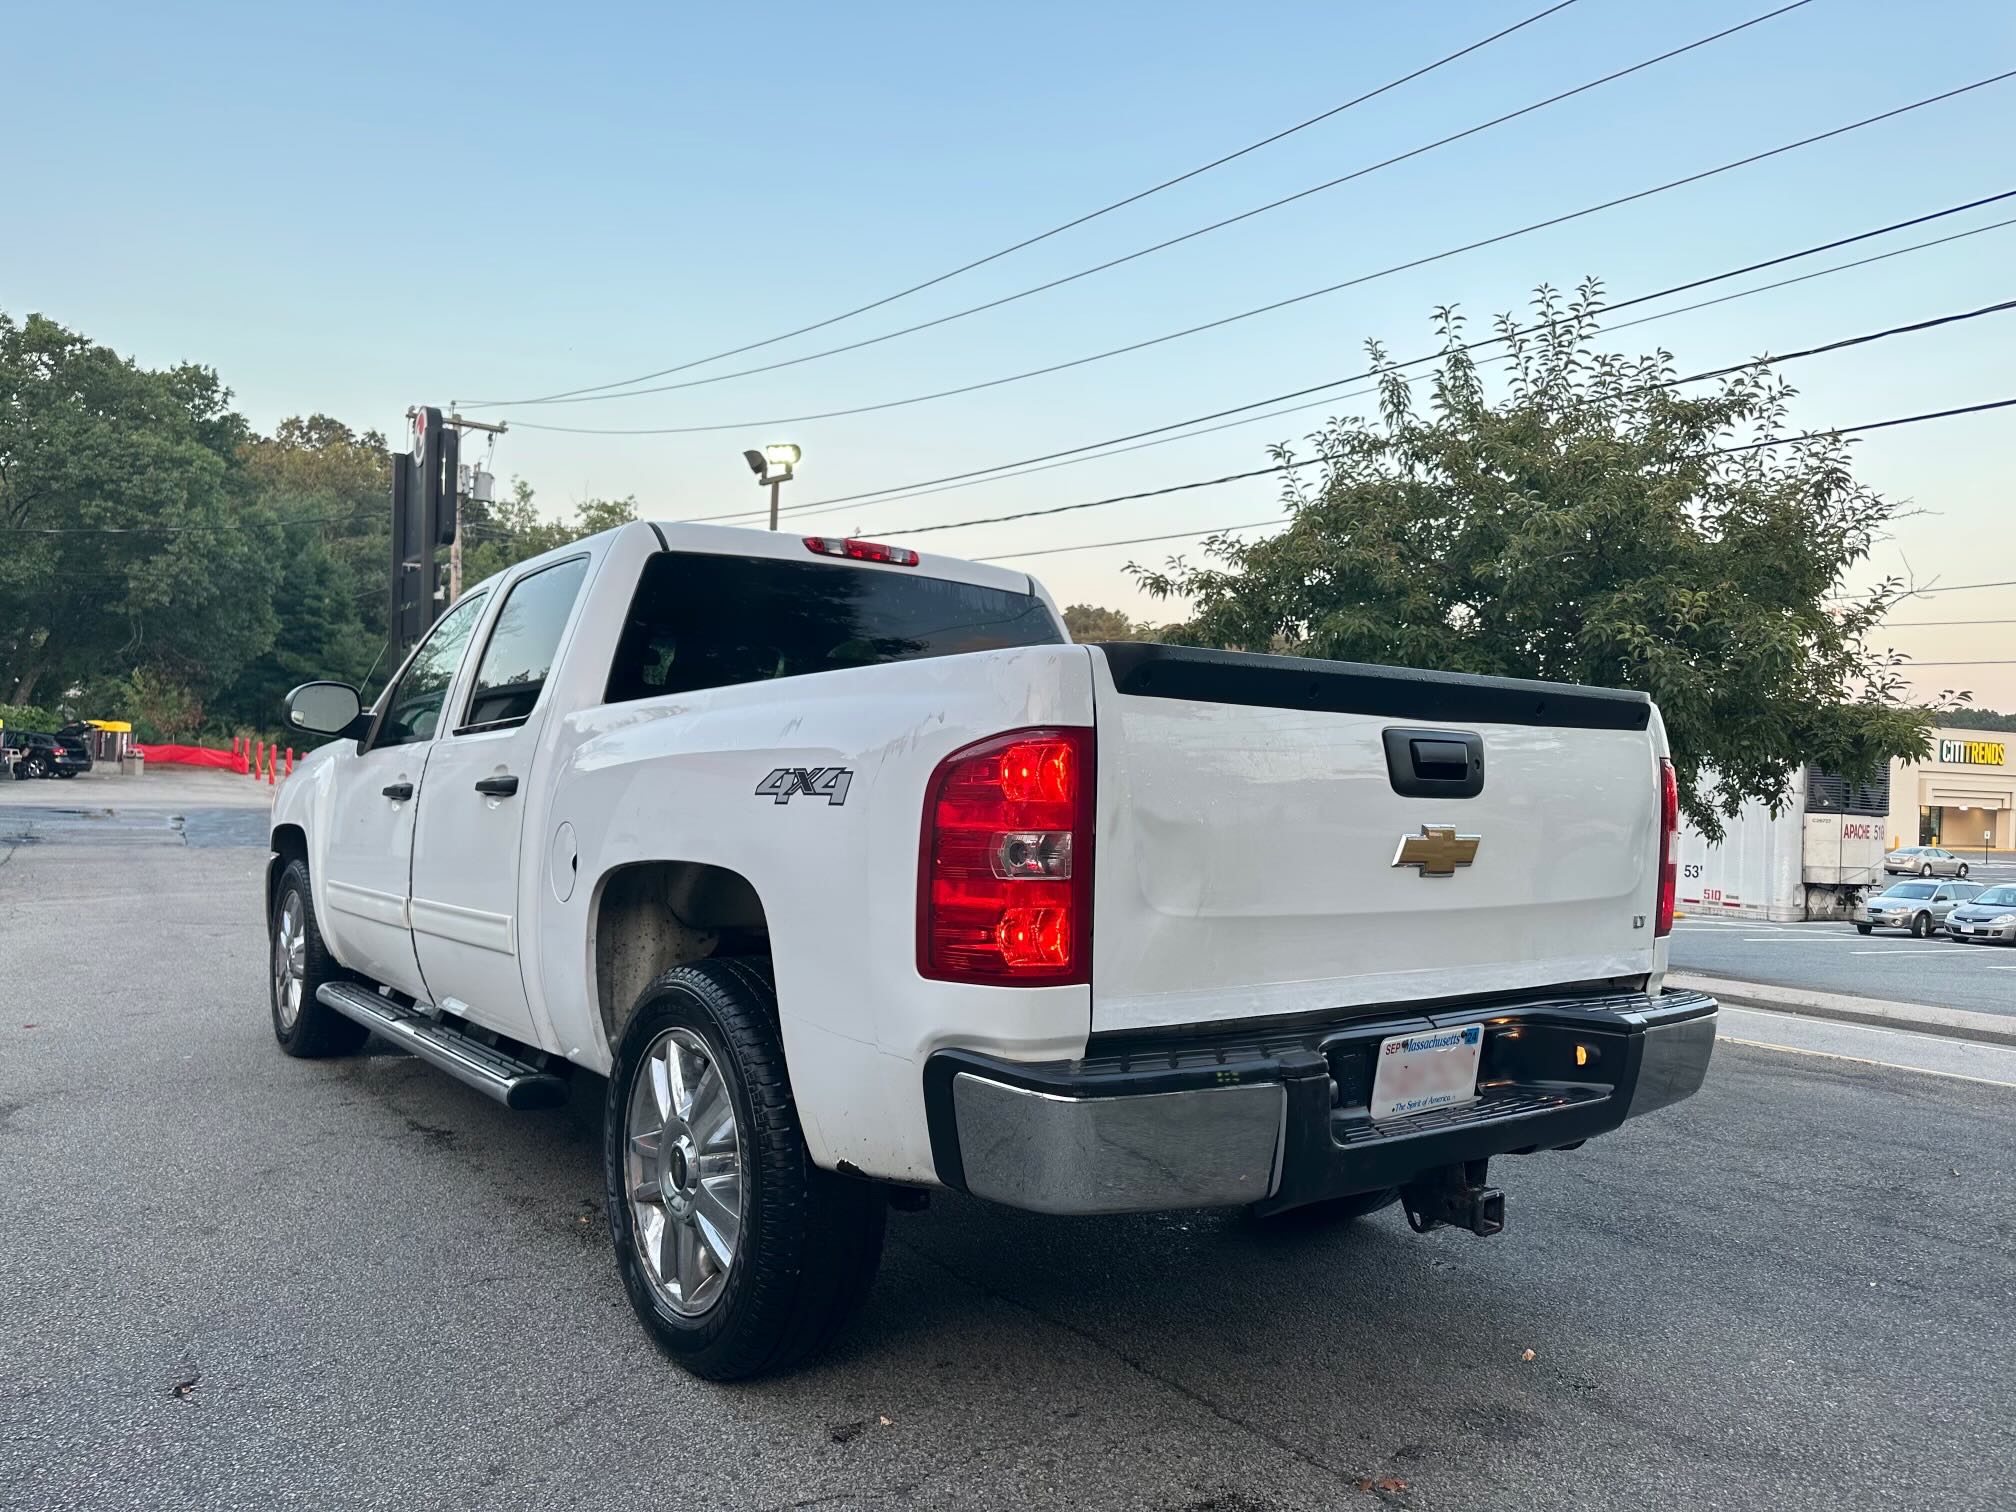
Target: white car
[{"x": 856, "y": 879}]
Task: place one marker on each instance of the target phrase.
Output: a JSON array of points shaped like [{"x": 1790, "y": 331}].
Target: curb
[{"x": 1923, "y": 1018}]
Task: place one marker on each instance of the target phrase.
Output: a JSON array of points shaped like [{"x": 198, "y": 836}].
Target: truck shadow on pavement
[{"x": 1636, "y": 1299}]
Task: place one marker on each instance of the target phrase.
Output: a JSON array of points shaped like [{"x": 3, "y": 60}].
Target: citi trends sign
[{"x": 1989, "y": 753}]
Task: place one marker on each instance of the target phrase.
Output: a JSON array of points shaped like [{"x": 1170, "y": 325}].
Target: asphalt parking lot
[
  {"x": 1835, "y": 957},
  {"x": 236, "y": 1280}
]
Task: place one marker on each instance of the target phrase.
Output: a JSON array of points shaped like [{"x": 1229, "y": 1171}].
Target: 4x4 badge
[
  {"x": 830, "y": 783},
  {"x": 1438, "y": 850}
]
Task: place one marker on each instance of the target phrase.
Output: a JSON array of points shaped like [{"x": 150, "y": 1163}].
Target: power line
[
  {"x": 1030, "y": 241},
  {"x": 1174, "y": 535},
  {"x": 1164, "y": 245},
  {"x": 1076, "y": 454},
  {"x": 1624, "y": 325},
  {"x": 1965, "y": 409},
  {"x": 1955, "y": 587},
  {"x": 1907, "y": 666},
  {"x": 1279, "y": 304},
  {"x": 1923, "y": 624},
  {"x": 1662, "y": 384},
  {"x": 1844, "y": 430},
  {"x": 1254, "y": 525}
]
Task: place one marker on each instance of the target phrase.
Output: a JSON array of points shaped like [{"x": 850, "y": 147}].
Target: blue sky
[{"x": 351, "y": 209}]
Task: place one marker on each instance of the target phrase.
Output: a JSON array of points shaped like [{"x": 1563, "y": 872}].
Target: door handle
[
  {"x": 497, "y": 787},
  {"x": 399, "y": 791}
]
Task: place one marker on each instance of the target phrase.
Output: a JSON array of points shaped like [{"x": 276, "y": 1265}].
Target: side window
[
  {"x": 522, "y": 646},
  {"x": 1944, "y": 895},
  {"x": 413, "y": 706}
]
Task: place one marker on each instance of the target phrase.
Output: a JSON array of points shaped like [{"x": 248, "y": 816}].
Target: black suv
[
  {"x": 75, "y": 740},
  {"x": 37, "y": 755}
]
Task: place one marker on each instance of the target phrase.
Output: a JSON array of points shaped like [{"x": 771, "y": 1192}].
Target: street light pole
[{"x": 775, "y": 485}]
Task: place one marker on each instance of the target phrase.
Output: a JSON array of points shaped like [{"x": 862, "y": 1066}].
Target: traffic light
[{"x": 437, "y": 456}]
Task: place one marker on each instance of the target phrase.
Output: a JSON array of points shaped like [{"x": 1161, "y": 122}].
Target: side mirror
[{"x": 325, "y": 708}]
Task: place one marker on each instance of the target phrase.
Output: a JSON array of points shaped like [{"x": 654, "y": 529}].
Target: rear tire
[
  {"x": 297, "y": 964},
  {"x": 1925, "y": 870},
  {"x": 805, "y": 1242}
]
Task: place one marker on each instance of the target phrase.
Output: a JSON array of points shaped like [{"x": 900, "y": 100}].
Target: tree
[
  {"x": 510, "y": 531},
  {"x": 1593, "y": 524},
  {"x": 1089, "y": 622},
  {"x": 1974, "y": 719},
  {"x": 128, "y": 538}
]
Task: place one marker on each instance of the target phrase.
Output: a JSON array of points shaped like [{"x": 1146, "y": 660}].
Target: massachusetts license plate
[{"x": 1418, "y": 1072}]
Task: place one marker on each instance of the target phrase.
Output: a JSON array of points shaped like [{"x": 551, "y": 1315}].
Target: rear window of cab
[{"x": 703, "y": 621}]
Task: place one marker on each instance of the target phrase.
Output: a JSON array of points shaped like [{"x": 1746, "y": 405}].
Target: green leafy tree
[
  {"x": 1592, "y": 524},
  {"x": 1974, "y": 719},
  {"x": 128, "y": 538},
  {"x": 510, "y": 531},
  {"x": 1089, "y": 622}
]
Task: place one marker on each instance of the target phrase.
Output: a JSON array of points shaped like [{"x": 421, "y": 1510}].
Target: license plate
[{"x": 1418, "y": 1072}]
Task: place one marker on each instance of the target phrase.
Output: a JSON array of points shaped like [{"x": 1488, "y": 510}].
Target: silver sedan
[
  {"x": 1920, "y": 907},
  {"x": 1924, "y": 861},
  {"x": 1988, "y": 916}
]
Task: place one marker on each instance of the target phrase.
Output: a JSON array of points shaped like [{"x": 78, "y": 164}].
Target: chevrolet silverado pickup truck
[{"x": 854, "y": 878}]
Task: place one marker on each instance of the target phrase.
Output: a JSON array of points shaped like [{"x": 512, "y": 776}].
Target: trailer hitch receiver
[{"x": 1455, "y": 1195}]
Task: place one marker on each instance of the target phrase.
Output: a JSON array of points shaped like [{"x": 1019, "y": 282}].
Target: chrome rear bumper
[
  {"x": 1281, "y": 1119},
  {"x": 1214, "y": 1147}
]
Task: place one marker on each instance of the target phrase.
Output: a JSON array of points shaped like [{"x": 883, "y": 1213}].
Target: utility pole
[{"x": 455, "y": 546}]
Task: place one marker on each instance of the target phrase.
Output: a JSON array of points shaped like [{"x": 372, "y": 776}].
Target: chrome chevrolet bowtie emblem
[{"x": 1438, "y": 850}]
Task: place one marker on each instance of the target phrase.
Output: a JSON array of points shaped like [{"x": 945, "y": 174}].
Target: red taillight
[
  {"x": 1004, "y": 884},
  {"x": 1669, "y": 829},
  {"x": 862, "y": 551}
]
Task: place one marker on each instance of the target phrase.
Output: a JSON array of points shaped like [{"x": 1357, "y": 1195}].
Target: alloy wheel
[
  {"x": 290, "y": 960},
  {"x": 683, "y": 1168}
]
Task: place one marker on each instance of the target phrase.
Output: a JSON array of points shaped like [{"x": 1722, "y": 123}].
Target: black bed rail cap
[{"x": 1145, "y": 669}]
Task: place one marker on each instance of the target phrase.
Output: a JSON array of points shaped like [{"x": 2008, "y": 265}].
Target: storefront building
[{"x": 1963, "y": 799}]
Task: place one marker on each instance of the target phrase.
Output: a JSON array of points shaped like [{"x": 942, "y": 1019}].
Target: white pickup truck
[{"x": 855, "y": 878}]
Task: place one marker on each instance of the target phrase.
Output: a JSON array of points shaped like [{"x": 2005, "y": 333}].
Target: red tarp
[{"x": 184, "y": 755}]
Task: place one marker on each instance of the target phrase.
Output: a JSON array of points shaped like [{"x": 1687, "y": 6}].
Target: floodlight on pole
[{"x": 774, "y": 466}]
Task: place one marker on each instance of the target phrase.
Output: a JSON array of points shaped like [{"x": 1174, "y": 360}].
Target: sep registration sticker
[{"x": 1417, "y": 1072}]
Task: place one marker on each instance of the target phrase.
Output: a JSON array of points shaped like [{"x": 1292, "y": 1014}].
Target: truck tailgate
[{"x": 1253, "y": 857}]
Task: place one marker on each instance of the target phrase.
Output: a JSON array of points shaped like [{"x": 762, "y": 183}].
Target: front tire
[
  {"x": 297, "y": 964},
  {"x": 1921, "y": 925},
  {"x": 1962, "y": 873},
  {"x": 740, "y": 1257},
  {"x": 1863, "y": 928}
]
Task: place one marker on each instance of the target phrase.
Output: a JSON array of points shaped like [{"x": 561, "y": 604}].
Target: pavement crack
[{"x": 1346, "y": 1479}]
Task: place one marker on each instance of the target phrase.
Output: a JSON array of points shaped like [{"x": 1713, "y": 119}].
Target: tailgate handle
[{"x": 1435, "y": 763}]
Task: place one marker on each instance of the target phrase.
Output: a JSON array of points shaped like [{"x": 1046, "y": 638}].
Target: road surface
[{"x": 235, "y": 1280}]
